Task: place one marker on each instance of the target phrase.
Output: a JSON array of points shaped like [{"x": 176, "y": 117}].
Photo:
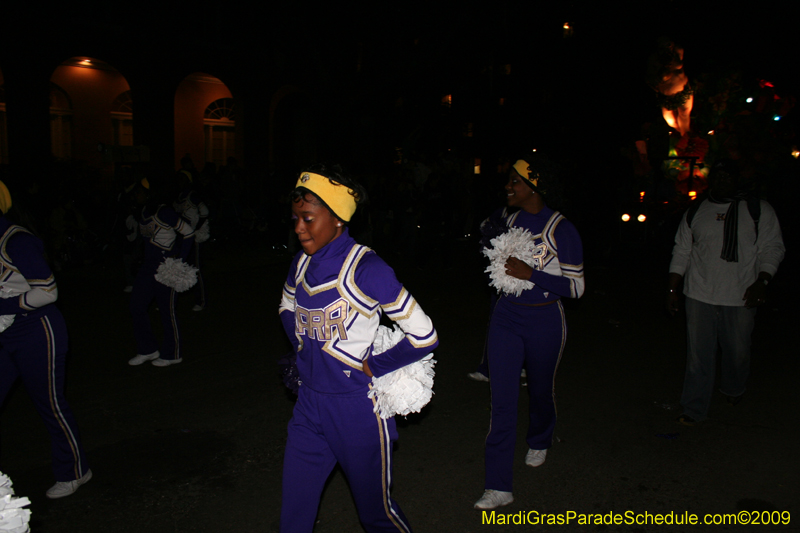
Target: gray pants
[{"x": 707, "y": 327}]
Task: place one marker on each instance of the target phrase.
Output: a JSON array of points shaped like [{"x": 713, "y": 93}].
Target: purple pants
[
  {"x": 145, "y": 288},
  {"x": 533, "y": 338},
  {"x": 330, "y": 428},
  {"x": 35, "y": 350}
]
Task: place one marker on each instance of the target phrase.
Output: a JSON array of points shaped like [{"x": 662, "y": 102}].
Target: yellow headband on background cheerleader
[
  {"x": 5, "y": 198},
  {"x": 338, "y": 197}
]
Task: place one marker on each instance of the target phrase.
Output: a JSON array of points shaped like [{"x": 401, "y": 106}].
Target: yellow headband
[
  {"x": 523, "y": 168},
  {"x": 338, "y": 197},
  {"x": 5, "y": 198}
]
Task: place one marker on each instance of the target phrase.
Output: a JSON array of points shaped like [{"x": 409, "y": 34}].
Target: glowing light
[
  {"x": 626, "y": 217},
  {"x": 749, "y": 100},
  {"x": 447, "y": 100},
  {"x": 477, "y": 166},
  {"x": 711, "y": 132},
  {"x": 641, "y": 196},
  {"x": 533, "y": 150},
  {"x": 566, "y": 25},
  {"x": 692, "y": 194},
  {"x": 776, "y": 118},
  {"x": 641, "y": 218},
  {"x": 795, "y": 153}
]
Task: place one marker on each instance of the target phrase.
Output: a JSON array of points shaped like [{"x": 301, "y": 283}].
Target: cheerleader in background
[
  {"x": 191, "y": 207},
  {"x": 34, "y": 344},
  {"x": 165, "y": 234},
  {"x": 529, "y": 331}
]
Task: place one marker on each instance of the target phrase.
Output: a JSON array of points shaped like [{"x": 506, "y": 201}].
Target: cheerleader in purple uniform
[
  {"x": 33, "y": 337},
  {"x": 161, "y": 229},
  {"x": 529, "y": 331},
  {"x": 334, "y": 295},
  {"x": 191, "y": 207}
]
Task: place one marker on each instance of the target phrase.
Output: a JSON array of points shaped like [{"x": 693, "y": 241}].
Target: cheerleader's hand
[
  {"x": 367, "y": 371},
  {"x": 518, "y": 269}
]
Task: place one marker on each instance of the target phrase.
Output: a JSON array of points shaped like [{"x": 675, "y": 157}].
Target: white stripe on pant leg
[{"x": 51, "y": 364}]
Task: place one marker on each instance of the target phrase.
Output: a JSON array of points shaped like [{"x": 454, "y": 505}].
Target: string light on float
[
  {"x": 641, "y": 196},
  {"x": 749, "y": 100},
  {"x": 692, "y": 195},
  {"x": 641, "y": 218},
  {"x": 795, "y": 152},
  {"x": 625, "y": 217},
  {"x": 568, "y": 30}
]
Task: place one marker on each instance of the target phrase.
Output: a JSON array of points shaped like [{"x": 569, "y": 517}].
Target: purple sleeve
[
  {"x": 287, "y": 305},
  {"x": 378, "y": 281},
  {"x": 27, "y": 255},
  {"x": 570, "y": 284}
]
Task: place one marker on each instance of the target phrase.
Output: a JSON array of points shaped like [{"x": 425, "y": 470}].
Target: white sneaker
[
  {"x": 65, "y": 488},
  {"x": 535, "y": 457},
  {"x": 139, "y": 359},
  {"x": 492, "y": 499},
  {"x": 477, "y": 376},
  {"x": 166, "y": 362}
]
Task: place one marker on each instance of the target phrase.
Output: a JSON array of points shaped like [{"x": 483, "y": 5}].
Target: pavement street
[{"x": 198, "y": 447}]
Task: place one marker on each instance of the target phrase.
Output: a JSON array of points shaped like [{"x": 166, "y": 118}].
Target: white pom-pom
[
  {"x": 5, "y": 486},
  {"x": 8, "y": 292},
  {"x": 176, "y": 274},
  {"x": 6, "y": 321},
  {"x": 407, "y": 389},
  {"x": 516, "y": 242},
  {"x": 202, "y": 234},
  {"x": 13, "y": 518}
]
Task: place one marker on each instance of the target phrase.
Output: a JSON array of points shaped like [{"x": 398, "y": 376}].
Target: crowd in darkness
[{"x": 418, "y": 206}]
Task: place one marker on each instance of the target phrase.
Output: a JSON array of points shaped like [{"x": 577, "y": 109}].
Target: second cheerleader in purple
[{"x": 529, "y": 331}]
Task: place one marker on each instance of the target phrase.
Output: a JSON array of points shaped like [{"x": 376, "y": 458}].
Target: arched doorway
[
  {"x": 219, "y": 127},
  {"x": 205, "y": 121},
  {"x": 90, "y": 106}
]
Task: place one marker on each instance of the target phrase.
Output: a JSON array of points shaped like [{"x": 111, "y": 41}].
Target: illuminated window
[
  {"x": 477, "y": 166},
  {"x": 219, "y": 127},
  {"x": 122, "y": 119},
  {"x": 60, "y": 122}
]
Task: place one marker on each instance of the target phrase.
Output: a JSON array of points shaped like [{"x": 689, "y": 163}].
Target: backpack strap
[{"x": 753, "y": 207}]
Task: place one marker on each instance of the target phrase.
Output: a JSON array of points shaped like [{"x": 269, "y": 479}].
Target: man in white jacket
[{"x": 727, "y": 249}]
